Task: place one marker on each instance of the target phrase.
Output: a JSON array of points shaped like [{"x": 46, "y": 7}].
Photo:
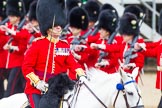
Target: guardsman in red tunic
[
  {"x": 94, "y": 38},
  {"x": 15, "y": 47},
  {"x": 155, "y": 50},
  {"x": 48, "y": 55},
  {"x": 129, "y": 29},
  {"x": 32, "y": 25},
  {"x": 109, "y": 61},
  {"x": 78, "y": 21}
]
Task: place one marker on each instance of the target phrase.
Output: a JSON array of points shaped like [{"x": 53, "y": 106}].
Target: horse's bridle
[
  {"x": 125, "y": 97},
  {"x": 76, "y": 92},
  {"x": 77, "y": 89}
]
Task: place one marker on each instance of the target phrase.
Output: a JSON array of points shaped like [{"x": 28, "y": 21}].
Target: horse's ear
[{"x": 135, "y": 72}]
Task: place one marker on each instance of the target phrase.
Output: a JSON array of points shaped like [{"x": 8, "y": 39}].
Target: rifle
[
  {"x": 95, "y": 29},
  {"x": 110, "y": 40},
  {"x": 23, "y": 21},
  {"x": 129, "y": 53},
  {"x": 4, "y": 21},
  {"x": 64, "y": 31},
  {"x": 83, "y": 37},
  {"x": 8, "y": 42}
]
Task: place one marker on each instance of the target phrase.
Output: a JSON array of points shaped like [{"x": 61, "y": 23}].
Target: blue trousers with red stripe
[
  {"x": 34, "y": 100},
  {"x": 16, "y": 82}
]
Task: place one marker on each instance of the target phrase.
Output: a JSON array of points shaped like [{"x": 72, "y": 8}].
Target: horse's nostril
[{"x": 130, "y": 93}]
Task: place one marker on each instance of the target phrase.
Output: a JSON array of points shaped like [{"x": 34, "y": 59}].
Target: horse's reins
[
  {"x": 76, "y": 93},
  {"x": 94, "y": 95}
]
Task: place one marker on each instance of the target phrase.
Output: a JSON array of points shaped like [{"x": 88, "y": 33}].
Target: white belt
[{"x": 159, "y": 68}]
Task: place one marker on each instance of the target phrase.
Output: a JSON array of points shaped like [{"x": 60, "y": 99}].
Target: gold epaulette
[{"x": 38, "y": 38}]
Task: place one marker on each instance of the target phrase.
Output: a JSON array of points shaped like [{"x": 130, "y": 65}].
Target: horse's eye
[{"x": 130, "y": 93}]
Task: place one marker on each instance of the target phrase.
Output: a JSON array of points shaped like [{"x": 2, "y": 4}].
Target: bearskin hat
[
  {"x": 15, "y": 8},
  {"x": 47, "y": 11},
  {"x": 110, "y": 7},
  {"x": 32, "y": 10},
  {"x": 129, "y": 25},
  {"x": 78, "y": 18},
  {"x": 3, "y": 8},
  {"x": 27, "y": 4},
  {"x": 160, "y": 23},
  {"x": 108, "y": 20},
  {"x": 134, "y": 9},
  {"x": 72, "y": 3},
  {"x": 93, "y": 9}
]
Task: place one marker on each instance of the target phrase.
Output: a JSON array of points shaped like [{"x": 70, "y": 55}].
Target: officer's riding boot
[{"x": 160, "y": 103}]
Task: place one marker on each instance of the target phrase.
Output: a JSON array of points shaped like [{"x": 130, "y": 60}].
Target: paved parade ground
[{"x": 150, "y": 95}]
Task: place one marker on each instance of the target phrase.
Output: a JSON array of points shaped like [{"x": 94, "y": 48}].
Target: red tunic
[
  {"x": 93, "y": 39},
  {"x": 36, "y": 57},
  {"x": 156, "y": 52},
  {"x": 15, "y": 58},
  {"x": 121, "y": 49},
  {"x": 82, "y": 53},
  {"x": 112, "y": 57},
  {"x": 3, "y": 53}
]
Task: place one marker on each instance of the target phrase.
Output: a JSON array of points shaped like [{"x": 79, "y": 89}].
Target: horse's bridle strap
[
  {"x": 132, "y": 81},
  {"x": 125, "y": 97},
  {"x": 95, "y": 95},
  {"x": 116, "y": 98}
]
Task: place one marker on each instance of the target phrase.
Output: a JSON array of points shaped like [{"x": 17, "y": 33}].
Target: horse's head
[
  {"x": 60, "y": 84},
  {"x": 128, "y": 86}
]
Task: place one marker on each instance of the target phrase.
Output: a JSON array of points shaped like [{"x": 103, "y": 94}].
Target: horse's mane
[{"x": 96, "y": 74}]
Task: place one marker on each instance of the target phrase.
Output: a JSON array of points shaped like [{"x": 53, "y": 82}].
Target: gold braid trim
[
  {"x": 79, "y": 72},
  {"x": 33, "y": 78}
]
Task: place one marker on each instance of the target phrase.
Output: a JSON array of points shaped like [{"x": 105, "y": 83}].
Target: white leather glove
[
  {"x": 80, "y": 47},
  {"x": 97, "y": 46},
  {"x": 82, "y": 79},
  {"x": 12, "y": 32},
  {"x": 42, "y": 86},
  {"x": 76, "y": 56},
  {"x": 139, "y": 46},
  {"x": 102, "y": 63},
  {"x": 129, "y": 66},
  {"x": 15, "y": 48},
  {"x": 10, "y": 47}
]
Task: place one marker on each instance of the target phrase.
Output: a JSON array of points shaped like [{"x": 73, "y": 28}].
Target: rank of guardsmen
[{"x": 81, "y": 34}]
